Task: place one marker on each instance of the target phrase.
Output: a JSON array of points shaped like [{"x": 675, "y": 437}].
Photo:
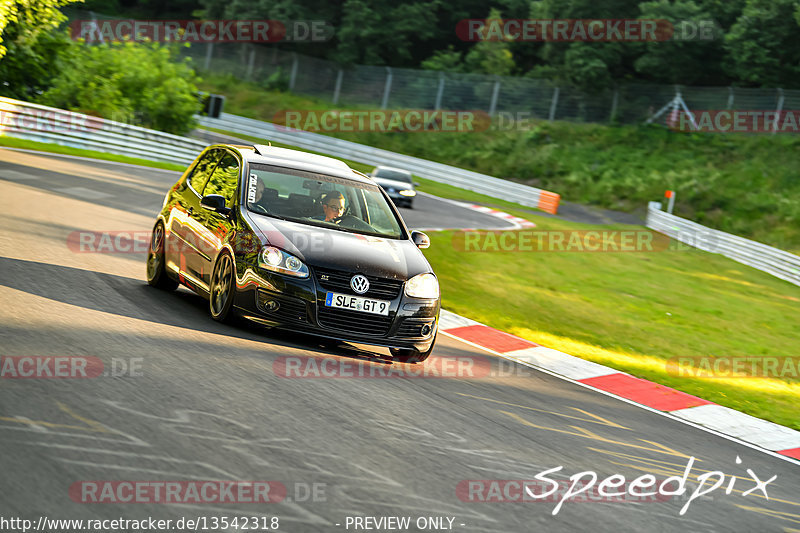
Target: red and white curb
[
  {"x": 697, "y": 411},
  {"x": 513, "y": 222},
  {"x": 517, "y": 221}
]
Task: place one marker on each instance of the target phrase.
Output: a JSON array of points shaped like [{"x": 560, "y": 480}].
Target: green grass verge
[
  {"x": 745, "y": 185},
  {"x": 12, "y": 142},
  {"x": 635, "y": 311}
]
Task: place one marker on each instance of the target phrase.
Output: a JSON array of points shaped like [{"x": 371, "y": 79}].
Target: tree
[
  {"x": 490, "y": 56},
  {"x": 587, "y": 65},
  {"x": 693, "y": 55},
  {"x": 448, "y": 60},
  {"x": 764, "y": 44},
  {"x": 23, "y": 21},
  {"x": 28, "y": 43},
  {"x": 121, "y": 80}
]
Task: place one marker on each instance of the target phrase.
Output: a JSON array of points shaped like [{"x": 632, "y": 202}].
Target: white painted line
[
  {"x": 473, "y": 207},
  {"x": 764, "y": 433},
  {"x": 83, "y": 192},
  {"x": 448, "y": 320},
  {"x": 561, "y": 363},
  {"x": 16, "y": 175},
  {"x": 631, "y": 402}
]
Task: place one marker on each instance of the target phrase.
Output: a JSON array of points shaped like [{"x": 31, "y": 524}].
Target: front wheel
[
  {"x": 220, "y": 300},
  {"x": 156, "y": 270},
  {"x": 410, "y": 355}
]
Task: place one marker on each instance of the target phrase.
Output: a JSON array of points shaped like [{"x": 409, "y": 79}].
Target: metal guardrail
[
  {"x": 461, "y": 178},
  {"x": 40, "y": 123},
  {"x": 34, "y": 122},
  {"x": 779, "y": 263}
]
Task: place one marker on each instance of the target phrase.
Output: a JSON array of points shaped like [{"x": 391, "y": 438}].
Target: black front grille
[
  {"x": 354, "y": 321},
  {"x": 412, "y": 327},
  {"x": 339, "y": 281},
  {"x": 289, "y": 309}
]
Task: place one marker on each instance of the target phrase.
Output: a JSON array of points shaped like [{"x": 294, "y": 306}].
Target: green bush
[{"x": 120, "y": 80}]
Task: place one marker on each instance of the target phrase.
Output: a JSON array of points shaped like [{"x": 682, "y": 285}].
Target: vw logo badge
[{"x": 359, "y": 284}]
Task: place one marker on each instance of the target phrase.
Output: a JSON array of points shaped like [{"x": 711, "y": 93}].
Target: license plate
[{"x": 357, "y": 303}]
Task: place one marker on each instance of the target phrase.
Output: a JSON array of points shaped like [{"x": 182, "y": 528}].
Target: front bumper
[{"x": 299, "y": 305}]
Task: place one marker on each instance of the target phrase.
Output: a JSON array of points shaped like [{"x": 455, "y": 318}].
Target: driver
[{"x": 333, "y": 206}]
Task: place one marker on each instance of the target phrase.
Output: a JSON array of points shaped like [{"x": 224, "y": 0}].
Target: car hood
[
  {"x": 399, "y": 185},
  {"x": 341, "y": 250}
]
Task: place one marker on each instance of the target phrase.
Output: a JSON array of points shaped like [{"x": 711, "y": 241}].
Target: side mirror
[
  {"x": 420, "y": 239},
  {"x": 216, "y": 203}
]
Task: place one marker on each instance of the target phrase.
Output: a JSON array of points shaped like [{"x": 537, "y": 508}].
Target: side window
[
  {"x": 380, "y": 217},
  {"x": 203, "y": 170},
  {"x": 224, "y": 179}
]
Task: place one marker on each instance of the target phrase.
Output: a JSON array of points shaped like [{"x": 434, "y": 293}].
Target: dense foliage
[
  {"x": 753, "y": 43},
  {"x": 140, "y": 83}
]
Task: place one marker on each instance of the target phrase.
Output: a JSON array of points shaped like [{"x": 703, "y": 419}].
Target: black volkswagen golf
[{"x": 300, "y": 242}]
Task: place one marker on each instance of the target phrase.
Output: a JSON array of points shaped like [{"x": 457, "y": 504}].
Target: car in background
[
  {"x": 397, "y": 183},
  {"x": 300, "y": 242}
]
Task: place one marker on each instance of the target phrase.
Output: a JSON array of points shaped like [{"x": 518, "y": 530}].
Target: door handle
[{"x": 190, "y": 211}]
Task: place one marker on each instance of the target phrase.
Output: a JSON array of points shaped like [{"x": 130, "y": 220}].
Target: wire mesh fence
[{"x": 399, "y": 88}]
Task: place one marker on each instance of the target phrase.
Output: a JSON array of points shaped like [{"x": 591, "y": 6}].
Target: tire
[
  {"x": 156, "y": 266},
  {"x": 410, "y": 355},
  {"x": 222, "y": 289}
]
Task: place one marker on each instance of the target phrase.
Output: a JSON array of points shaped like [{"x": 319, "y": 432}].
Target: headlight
[
  {"x": 423, "y": 286},
  {"x": 276, "y": 260},
  {"x": 408, "y": 192}
]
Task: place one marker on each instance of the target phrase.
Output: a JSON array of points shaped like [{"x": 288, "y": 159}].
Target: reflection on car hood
[
  {"x": 340, "y": 250},
  {"x": 399, "y": 185}
]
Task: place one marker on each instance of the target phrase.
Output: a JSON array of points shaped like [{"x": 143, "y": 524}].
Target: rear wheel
[
  {"x": 221, "y": 291},
  {"x": 410, "y": 355},
  {"x": 156, "y": 268}
]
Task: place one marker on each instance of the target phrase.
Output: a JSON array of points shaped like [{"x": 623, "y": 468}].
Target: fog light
[
  {"x": 426, "y": 329},
  {"x": 271, "y": 305}
]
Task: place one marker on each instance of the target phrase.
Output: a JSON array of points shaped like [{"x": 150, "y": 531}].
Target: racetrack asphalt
[{"x": 192, "y": 400}]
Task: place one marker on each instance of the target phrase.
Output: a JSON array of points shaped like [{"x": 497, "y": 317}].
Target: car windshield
[
  {"x": 396, "y": 175},
  {"x": 321, "y": 200}
]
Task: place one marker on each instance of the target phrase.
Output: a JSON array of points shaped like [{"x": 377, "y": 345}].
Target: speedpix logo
[{"x": 614, "y": 488}]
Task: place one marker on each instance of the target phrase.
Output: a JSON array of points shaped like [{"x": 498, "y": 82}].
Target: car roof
[
  {"x": 394, "y": 169},
  {"x": 285, "y": 157}
]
